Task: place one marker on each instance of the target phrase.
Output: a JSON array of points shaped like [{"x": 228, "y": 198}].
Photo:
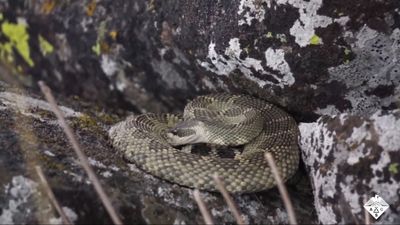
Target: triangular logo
[{"x": 376, "y": 206}]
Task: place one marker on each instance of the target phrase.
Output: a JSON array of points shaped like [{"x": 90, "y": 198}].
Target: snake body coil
[{"x": 220, "y": 119}]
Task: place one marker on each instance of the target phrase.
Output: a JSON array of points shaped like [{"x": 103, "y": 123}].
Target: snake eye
[{"x": 174, "y": 132}]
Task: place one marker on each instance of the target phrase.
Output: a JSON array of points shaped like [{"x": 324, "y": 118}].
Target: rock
[
  {"x": 351, "y": 159},
  {"x": 30, "y": 136},
  {"x": 311, "y": 57}
]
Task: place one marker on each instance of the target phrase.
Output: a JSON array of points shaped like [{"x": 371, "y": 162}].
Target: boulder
[
  {"x": 351, "y": 159},
  {"x": 30, "y": 136},
  {"x": 108, "y": 58},
  {"x": 311, "y": 57}
]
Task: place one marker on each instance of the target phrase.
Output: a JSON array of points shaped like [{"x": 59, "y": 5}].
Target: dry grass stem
[
  {"x": 203, "y": 209},
  {"x": 82, "y": 157},
  {"x": 282, "y": 189},
  {"x": 51, "y": 196},
  {"x": 228, "y": 199},
  {"x": 367, "y": 217}
]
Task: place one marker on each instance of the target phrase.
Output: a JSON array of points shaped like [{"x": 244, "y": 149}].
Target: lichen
[
  {"x": 101, "y": 46},
  {"x": 251, "y": 10},
  {"x": 347, "y": 157},
  {"x": 45, "y": 46},
  {"x": 86, "y": 122},
  {"x": 96, "y": 48},
  {"x": 48, "y": 6},
  {"x": 372, "y": 76},
  {"x": 315, "y": 40},
  {"x": 225, "y": 64},
  {"x": 18, "y": 39},
  {"x": 91, "y": 7},
  {"x": 394, "y": 168},
  {"x": 107, "y": 118}
]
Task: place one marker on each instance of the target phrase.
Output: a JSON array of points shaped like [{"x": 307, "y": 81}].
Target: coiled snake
[{"x": 222, "y": 120}]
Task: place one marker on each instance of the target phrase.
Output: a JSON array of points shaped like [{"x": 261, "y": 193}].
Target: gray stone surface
[
  {"x": 351, "y": 159},
  {"x": 30, "y": 136},
  {"x": 311, "y": 57}
]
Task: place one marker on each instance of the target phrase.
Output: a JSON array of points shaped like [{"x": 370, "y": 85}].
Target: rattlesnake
[{"x": 220, "y": 119}]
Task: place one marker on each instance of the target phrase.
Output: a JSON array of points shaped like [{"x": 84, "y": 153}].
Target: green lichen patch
[
  {"x": 96, "y": 48},
  {"x": 45, "y": 46},
  {"x": 347, "y": 55},
  {"x": 85, "y": 122},
  {"x": 315, "y": 40},
  {"x": 108, "y": 119},
  {"x": 18, "y": 39},
  {"x": 394, "y": 168}
]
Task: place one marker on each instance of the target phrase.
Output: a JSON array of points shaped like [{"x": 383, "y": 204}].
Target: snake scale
[{"x": 148, "y": 141}]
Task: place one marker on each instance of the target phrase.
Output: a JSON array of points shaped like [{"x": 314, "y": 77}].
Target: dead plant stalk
[
  {"x": 282, "y": 189},
  {"x": 81, "y": 155}
]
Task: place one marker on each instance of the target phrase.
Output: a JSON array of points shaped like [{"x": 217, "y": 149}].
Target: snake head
[{"x": 186, "y": 132}]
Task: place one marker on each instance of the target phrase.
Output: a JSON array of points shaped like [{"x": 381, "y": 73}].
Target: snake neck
[{"x": 187, "y": 133}]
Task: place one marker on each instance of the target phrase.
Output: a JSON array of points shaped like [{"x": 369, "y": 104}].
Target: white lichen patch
[
  {"x": 388, "y": 129},
  {"x": 376, "y": 68},
  {"x": 49, "y": 153},
  {"x": 303, "y": 28},
  {"x": 328, "y": 110},
  {"x": 21, "y": 188},
  {"x": 316, "y": 149},
  {"x": 281, "y": 217},
  {"x": 168, "y": 196},
  {"x": 106, "y": 174},
  {"x": 76, "y": 177},
  {"x": 358, "y": 153},
  {"x": 330, "y": 156},
  {"x": 251, "y": 10},
  {"x": 276, "y": 60},
  {"x": 354, "y": 200},
  {"x": 114, "y": 168},
  {"x": 356, "y": 143},
  {"x": 108, "y": 65},
  {"x": 96, "y": 163},
  {"x": 72, "y": 216},
  {"x": 224, "y": 64},
  {"x": 121, "y": 81}
]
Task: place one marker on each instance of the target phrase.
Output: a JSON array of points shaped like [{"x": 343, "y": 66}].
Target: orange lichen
[
  {"x": 91, "y": 7},
  {"x": 113, "y": 34},
  {"x": 48, "y": 6}
]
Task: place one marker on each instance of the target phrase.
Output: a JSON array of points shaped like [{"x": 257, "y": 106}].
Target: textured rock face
[
  {"x": 350, "y": 159},
  {"x": 30, "y": 136},
  {"x": 311, "y": 57}
]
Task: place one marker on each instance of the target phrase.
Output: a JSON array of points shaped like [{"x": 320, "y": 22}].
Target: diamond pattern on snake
[{"x": 154, "y": 143}]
